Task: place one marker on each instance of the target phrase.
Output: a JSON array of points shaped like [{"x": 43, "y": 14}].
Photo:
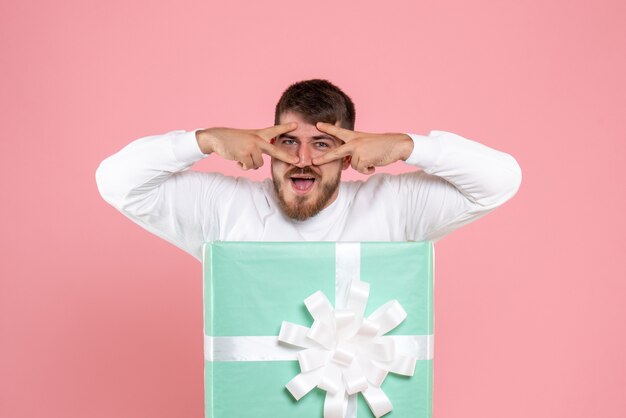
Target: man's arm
[
  {"x": 149, "y": 180},
  {"x": 461, "y": 180}
]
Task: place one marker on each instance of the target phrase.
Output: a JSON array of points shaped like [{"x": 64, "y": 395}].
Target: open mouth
[{"x": 302, "y": 184}]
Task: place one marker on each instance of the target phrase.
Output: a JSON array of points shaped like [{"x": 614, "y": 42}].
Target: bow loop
[{"x": 388, "y": 316}]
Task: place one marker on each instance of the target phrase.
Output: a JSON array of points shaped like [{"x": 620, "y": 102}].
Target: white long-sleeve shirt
[{"x": 150, "y": 182}]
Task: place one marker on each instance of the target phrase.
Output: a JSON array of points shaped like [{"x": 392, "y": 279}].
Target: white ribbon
[
  {"x": 343, "y": 352},
  {"x": 346, "y": 353},
  {"x": 267, "y": 348}
]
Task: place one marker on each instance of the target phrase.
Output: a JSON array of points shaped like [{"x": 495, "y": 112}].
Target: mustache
[{"x": 302, "y": 171}]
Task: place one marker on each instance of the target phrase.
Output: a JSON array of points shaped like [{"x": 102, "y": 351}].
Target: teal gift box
[{"x": 253, "y": 292}]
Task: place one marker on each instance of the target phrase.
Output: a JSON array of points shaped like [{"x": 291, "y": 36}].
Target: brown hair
[{"x": 317, "y": 101}]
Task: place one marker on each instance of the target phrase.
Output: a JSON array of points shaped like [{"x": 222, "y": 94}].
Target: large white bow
[{"x": 345, "y": 353}]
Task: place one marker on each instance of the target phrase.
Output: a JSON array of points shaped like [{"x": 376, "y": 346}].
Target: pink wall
[{"x": 100, "y": 319}]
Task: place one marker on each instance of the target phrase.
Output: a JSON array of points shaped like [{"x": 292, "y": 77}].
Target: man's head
[
  {"x": 305, "y": 189},
  {"x": 317, "y": 101}
]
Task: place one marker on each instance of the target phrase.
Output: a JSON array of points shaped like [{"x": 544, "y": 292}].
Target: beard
[{"x": 305, "y": 207}]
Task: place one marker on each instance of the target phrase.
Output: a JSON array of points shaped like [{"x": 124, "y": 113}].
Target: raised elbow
[
  {"x": 107, "y": 186},
  {"x": 500, "y": 184},
  {"x": 508, "y": 181},
  {"x": 515, "y": 177}
]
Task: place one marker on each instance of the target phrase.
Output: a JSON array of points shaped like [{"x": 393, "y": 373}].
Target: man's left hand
[{"x": 366, "y": 150}]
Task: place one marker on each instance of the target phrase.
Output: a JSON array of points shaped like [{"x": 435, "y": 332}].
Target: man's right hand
[{"x": 245, "y": 146}]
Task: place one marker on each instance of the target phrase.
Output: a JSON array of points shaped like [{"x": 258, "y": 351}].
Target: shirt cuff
[
  {"x": 186, "y": 148},
  {"x": 426, "y": 149}
]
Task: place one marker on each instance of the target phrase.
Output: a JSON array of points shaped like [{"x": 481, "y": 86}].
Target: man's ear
[{"x": 346, "y": 162}]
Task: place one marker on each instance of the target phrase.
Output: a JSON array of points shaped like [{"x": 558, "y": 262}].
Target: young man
[{"x": 311, "y": 143}]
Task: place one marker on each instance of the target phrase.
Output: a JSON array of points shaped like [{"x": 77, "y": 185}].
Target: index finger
[
  {"x": 274, "y": 151},
  {"x": 333, "y": 155},
  {"x": 346, "y": 135},
  {"x": 273, "y": 131}
]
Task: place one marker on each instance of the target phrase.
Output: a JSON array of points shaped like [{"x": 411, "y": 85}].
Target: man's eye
[
  {"x": 288, "y": 142},
  {"x": 322, "y": 145}
]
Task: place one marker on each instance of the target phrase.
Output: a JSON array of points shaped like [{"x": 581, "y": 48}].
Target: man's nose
[{"x": 304, "y": 154}]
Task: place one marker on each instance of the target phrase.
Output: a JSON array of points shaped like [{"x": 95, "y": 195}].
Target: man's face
[{"x": 305, "y": 189}]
